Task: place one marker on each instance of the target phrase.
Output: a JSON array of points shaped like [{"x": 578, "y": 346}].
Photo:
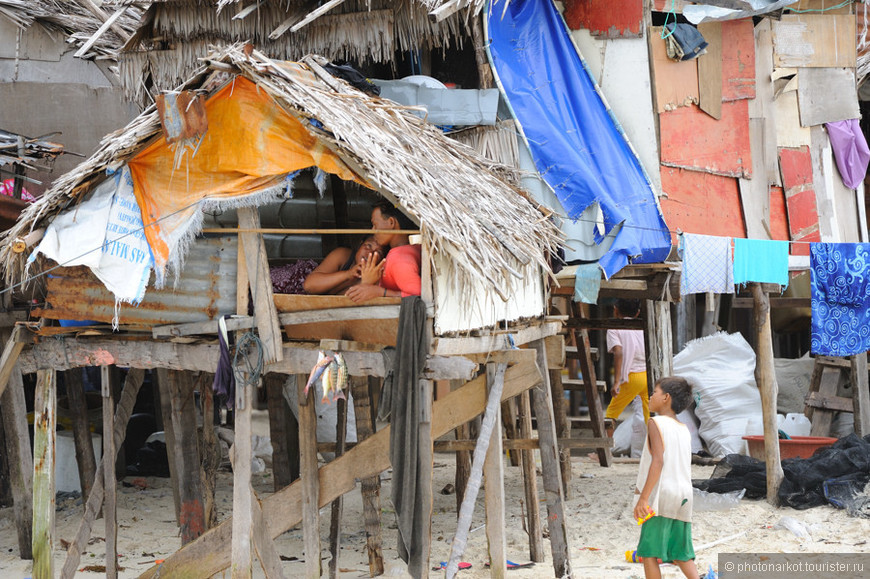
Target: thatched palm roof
[
  {"x": 465, "y": 204},
  {"x": 175, "y": 33},
  {"x": 76, "y": 22}
]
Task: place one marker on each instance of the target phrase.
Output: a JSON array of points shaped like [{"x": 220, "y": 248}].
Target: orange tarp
[{"x": 250, "y": 145}]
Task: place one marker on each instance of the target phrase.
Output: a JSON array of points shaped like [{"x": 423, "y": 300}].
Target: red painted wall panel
[
  {"x": 692, "y": 139},
  {"x": 698, "y": 202},
  {"x": 778, "y": 219},
  {"x": 738, "y": 60},
  {"x": 796, "y": 168},
  {"x": 606, "y": 18}
]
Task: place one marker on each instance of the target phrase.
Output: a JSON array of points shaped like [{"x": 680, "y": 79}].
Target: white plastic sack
[
  {"x": 105, "y": 233},
  {"x": 721, "y": 368},
  {"x": 688, "y": 418},
  {"x": 793, "y": 382}
]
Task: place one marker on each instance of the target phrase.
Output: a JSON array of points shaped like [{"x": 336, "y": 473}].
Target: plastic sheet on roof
[{"x": 578, "y": 147}]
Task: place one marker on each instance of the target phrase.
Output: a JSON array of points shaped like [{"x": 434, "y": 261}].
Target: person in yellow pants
[{"x": 629, "y": 365}]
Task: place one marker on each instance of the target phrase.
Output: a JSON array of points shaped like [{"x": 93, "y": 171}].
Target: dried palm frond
[{"x": 465, "y": 206}]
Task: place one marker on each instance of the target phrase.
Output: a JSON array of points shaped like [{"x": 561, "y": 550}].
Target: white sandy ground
[{"x": 600, "y": 528}]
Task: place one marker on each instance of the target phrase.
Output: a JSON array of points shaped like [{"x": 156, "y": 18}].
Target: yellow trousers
[{"x": 636, "y": 386}]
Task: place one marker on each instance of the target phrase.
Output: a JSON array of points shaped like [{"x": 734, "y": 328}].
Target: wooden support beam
[
  {"x": 122, "y": 415},
  {"x": 486, "y": 344},
  {"x": 860, "y": 394},
  {"x": 78, "y": 407},
  {"x": 210, "y": 553},
  {"x": 211, "y": 450},
  {"x": 282, "y": 426},
  {"x": 188, "y": 466},
  {"x": 369, "y": 486},
  {"x": 426, "y": 457},
  {"x": 563, "y": 429},
  {"x": 298, "y": 358},
  {"x": 257, "y": 264},
  {"x": 309, "y": 478},
  {"x": 468, "y": 444},
  {"x": 110, "y": 496},
  {"x": 165, "y": 392},
  {"x": 765, "y": 376},
  {"x": 551, "y": 470},
  {"x": 821, "y": 418},
  {"x": 493, "y": 471},
  {"x": 44, "y": 427},
  {"x": 530, "y": 483},
  {"x": 658, "y": 341},
  {"x": 14, "y": 417},
  {"x": 833, "y": 403},
  {"x": 242, "y": 556},
  {"x": 338, "y": 503},
  {"x": 11, "y": 351}
]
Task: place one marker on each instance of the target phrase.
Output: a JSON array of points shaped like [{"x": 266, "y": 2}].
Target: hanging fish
[
  {"x": 322, "y": 362},
  {"x": 328, "y": 380},
  {"x": 341, "y": 378}
]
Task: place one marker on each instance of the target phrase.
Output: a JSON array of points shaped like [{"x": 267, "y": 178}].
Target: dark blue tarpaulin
[{"x": 578, "y": 147}]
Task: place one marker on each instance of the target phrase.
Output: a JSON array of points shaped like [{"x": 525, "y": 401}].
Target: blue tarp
[{"x": 578, "y": 147}]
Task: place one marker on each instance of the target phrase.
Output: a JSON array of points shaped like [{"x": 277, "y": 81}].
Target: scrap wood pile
[
  {"x": 76, "y": 21},
  {"x": 29, "y": 152},
  {"x": 467, "y": 205}
]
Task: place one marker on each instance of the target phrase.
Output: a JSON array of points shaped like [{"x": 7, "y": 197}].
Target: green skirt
[{"x": 668, "y": 539}]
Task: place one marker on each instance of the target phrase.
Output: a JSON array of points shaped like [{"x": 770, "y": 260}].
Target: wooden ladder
[
  {"x": 583, "y": 352},
  {"x": 822, "y": 401}
]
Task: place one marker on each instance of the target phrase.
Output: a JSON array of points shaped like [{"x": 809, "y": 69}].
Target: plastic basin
[{"x": 797, "y": 447}]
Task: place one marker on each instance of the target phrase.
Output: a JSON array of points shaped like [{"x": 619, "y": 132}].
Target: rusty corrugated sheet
[
  {"x": 697, "y": 202},
  {"x": 182, "y": 115},
  {"x": 691, "y": 139},
  {"x": 606, "y": 18},
  {"x": 205, "y": 290}
]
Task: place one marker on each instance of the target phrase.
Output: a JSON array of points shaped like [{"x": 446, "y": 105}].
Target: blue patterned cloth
[
  {"x": 840, "y": 298},
  {"x": 587, "y": 283},
  {"x": 760, "y": 260},
  {"x": 707, "y": 265}
]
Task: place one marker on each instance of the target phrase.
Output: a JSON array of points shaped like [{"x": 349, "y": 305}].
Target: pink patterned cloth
[{"x": 7, "y": 188}]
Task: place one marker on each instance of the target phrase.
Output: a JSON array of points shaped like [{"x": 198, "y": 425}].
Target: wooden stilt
[
  {"x": 162, "y": 377},
  {"x": 550, "y": 467},
  {"x": 211, "y": 450},
  {"x": 658, "y": 341},
  {"x": 509, "y": 422},
  {"x": 78, "y": 407},
  {"x": 14, "y": 417},
  {"x": 279, "y": 431},
  {"x": 765, "y": 376},
  {"x": 337, "y": 504},
  {"x": 92, "y": 507},
  {"x": 860, "y": 394},
  {"x": 309, "y": 475},
  {"x": 426, "y": 457},
  {"x": 563, "y": 429},
  {"x": 283, "y": 510},
  {"x": 5, "y": 488},
  {"x": 188, "y": 466},
  {"x": 242, "y": 557},
  {"x": 370, "y": 486},
  {"x": 530, "y": 484},
  {"x": 109, "y": 481},
  {"x": 463, "y": 457},
  {"x": 493, "y": 472},
  {"x": 44, "y": 426}
]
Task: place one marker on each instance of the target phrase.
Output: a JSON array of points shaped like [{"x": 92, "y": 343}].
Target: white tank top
[{"x": 672, "y": 496}]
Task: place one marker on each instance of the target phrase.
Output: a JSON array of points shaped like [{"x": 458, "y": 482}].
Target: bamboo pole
[
  {"x": 765, "y": 376},
  {"x": 13, "y": 414},
  {"x": 242, "y": 497},
  {"x": 493, "y": 468},
  {"x": 280, "y": 231},
  {"x": 44, "y": 426},
  {"x": 490, "y": 418}
]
